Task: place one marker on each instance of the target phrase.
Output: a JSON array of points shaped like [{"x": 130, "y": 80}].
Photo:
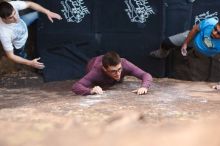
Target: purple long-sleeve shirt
[{"x": 97, "y": 77}]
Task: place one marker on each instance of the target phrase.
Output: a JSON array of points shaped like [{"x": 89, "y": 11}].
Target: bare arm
[
  {"x": 33, "y": 63},
  {"x": 192, "y": 34},
  {"x": 189, "y": 38},
  {"x": 41, "y": 9}
]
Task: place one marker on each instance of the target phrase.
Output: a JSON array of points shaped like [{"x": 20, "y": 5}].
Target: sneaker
[{"x": 160, "y": 53}]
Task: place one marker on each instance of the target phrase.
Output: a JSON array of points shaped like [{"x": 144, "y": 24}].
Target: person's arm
[
  {"x": 33, "y": 63},
  {"x": 84, "y": 85},
  {"x": 41, "y": 9},
  {"x": 140, "y": 74},
  {"x": 9, "y": 50},
  {"x": 189, "y": 38},
  {"x": 80, "y": 89}
]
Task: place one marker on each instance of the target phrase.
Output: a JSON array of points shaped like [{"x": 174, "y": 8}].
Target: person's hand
[
  {"x": 34, "y": 63},
  {"x": 141, "y": 91},
  {"x": 97, "y": 90},
  {"x": 184, "y": 49},
  {"x": 217, "y": 87},
  {"x": 52, "y": 15}
]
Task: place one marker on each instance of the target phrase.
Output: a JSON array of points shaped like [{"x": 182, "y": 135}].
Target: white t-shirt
[{"x": 14, "y": 34}]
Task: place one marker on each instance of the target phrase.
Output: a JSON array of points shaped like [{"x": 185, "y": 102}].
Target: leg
[
  {"x": 179, "y": 39},
  {"x": 169, "y": 43},
  {"x": 30, "y": 18},
  {"x": 164, "y": 49}
]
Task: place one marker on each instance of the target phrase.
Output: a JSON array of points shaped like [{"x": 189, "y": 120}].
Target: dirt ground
[{"x": 174, "y": 112}]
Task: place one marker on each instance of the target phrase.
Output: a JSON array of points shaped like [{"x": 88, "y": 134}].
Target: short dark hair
[
  {"x": 6, "y": 9},
  {"x": 110, "y": 59}
]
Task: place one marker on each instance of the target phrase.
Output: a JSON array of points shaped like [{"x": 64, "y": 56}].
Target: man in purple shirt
[{"x": 109, "y": 69}]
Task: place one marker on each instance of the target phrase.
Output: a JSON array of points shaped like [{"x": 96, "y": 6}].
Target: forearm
[
  {"x": 191, "y": 34},
  {"x": 80, "y": 89},
  {"x": 37, "y": 7},
  {"x": 138, "y": 73},
  {"x": 146, "y": 80},
  {"x": 145, "y": 77},
  {"x": 18, "y": 59}
]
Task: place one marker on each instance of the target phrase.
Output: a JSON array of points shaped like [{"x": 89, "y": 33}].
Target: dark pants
[{"x": 167, "y": 44}]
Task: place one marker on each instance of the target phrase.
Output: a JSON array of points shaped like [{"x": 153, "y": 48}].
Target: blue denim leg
[
  {"x": 30, "y": 18},
  {"x": 21, "y": 52}
]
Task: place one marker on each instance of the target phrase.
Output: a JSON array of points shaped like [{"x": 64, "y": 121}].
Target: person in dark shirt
[{"x": 109, "y": 69}]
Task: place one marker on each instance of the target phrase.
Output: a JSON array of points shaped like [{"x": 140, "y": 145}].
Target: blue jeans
[
  {"x": 21, "y": 52},
  {"x": 28, "y": 20}
]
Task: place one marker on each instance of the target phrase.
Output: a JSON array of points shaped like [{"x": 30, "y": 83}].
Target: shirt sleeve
[
  {"x": 84, "y": 85},
  {"x": 207, "y": 22},
  {"x": 19, "y": 5},
  {"x": 138, "y": 73},
  {"x": 6, "y": 42}
]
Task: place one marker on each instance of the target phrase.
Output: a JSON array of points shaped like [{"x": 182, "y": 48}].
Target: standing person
[
  {"x": 14, "y": 32},
  {"x": 204, "y": 37},
  {"x": 109, "y": 69}
]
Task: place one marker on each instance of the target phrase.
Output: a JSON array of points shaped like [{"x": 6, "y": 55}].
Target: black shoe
[{"x": 160, "y": 53}]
